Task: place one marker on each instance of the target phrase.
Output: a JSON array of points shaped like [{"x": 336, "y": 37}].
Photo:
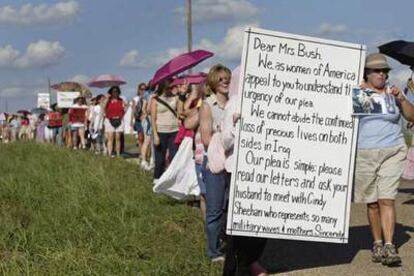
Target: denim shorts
[
  {"x": 146, "y": 125},
  {"x": 138, "y": 127}
]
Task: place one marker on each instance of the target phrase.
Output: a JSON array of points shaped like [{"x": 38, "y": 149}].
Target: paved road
[{"x": 310, "y": 258}]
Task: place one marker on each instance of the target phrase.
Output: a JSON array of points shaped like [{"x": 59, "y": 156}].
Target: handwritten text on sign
[{"x": 296, "y": 139}]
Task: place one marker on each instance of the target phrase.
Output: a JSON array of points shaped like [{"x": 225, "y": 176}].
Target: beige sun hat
[{"x": 376, "y": 61}]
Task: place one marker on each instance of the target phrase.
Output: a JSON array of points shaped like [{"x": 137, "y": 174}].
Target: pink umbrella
[
  {"x": 191, "y": 79},
  {"x": 179, "y": 64},
  {"x": 106, "y": 80}
]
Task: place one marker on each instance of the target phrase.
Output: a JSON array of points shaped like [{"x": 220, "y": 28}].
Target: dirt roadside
[{"x": 284, "y": 257}]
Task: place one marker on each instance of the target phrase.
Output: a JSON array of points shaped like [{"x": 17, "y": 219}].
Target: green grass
[{"x": 74, "y": 213}]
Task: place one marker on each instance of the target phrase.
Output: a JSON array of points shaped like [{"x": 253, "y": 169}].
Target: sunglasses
[
  {"x": 385, "y": 71},
  {"x": 224, "y": 79}
]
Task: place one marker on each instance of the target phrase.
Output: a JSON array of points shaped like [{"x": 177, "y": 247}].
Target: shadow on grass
[
  {"x": 288, "y": 255},
  {"x": 129, "y": 155}
]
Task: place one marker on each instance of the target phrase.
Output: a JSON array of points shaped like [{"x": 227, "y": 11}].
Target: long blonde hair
[{"x": 213, "y": 78}]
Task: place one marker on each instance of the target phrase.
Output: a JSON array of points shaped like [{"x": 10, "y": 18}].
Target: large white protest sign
[
  {"x": 43, "y": 100},
  {"x": 65, "y": 99},
  {"x": 295, "y": 144}
]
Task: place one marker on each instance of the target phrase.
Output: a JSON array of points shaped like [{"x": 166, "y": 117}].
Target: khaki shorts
[
  {"x": 378, "y": 172},
  {"x": 110, "y": 128}
]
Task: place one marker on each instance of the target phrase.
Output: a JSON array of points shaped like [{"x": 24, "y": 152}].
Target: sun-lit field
[{"x": 72, "y": 213}]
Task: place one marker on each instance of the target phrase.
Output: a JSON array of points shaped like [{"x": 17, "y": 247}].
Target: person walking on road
[{"x": 380, "y": 159}]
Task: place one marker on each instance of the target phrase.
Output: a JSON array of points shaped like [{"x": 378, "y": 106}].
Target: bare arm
[
  {"x": 192, "y": 119},
  {"x": 407, "y": 108},
  {"x": 132, "y": 113},
  {"x": 180, "y": 110},
  {"x": 153, "y": 108},
  {"x": 206, "y": 124},
  {"x": 86, "y": 118}
]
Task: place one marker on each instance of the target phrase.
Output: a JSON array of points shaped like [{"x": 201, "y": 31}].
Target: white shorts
[{"x": 110, "y": 128}]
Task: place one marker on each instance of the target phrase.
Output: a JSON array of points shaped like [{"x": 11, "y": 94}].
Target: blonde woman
[{"x": 211, "y": 116}]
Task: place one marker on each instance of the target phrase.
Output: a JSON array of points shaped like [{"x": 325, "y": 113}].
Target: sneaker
[
  {"x": 390, "y": 255},
  {"x": 377, "y": 252},
  {"x": 218, "y": 259}
]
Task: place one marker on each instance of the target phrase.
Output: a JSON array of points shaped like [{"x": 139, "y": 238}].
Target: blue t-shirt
[{"x": 380, "y": 131}]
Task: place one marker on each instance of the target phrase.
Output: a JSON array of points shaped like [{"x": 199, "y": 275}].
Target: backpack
[
  {"x": 138, "y": 108},
  {"x": 216, "y": 154}
]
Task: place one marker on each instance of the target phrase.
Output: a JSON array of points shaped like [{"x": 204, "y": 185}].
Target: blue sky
[{"x": 78, "y": 39}]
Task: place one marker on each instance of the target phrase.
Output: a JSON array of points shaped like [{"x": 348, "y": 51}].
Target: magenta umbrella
[
  {"x": 24, "y": 112},
  {"x": 106, "y": 80},
  {"x": 191, "y": 79},
  {"x": 179, "y": 64}
]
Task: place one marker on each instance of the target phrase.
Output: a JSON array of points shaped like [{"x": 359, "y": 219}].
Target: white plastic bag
[
  {"x": 215, "y": 154},
  {"x": 179, "y": 181}
]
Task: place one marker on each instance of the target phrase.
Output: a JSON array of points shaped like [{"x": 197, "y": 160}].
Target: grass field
[{"x": 68, "y": 212}]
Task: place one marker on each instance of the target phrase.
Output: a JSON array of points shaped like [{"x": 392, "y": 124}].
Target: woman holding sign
[
  {"x": 216, "y": 179},
  {"x": 380, "y": 158},
  {"x": 243, "y": 253}
]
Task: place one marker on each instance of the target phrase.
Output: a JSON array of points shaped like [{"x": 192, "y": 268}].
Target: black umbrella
[{"x": 401, "y": 50}]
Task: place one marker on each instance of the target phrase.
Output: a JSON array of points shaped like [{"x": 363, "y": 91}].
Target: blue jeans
[
  {"x": 57, "y": 135},
  {"x": 215, "y": 205},
  {"x": 160, "y": 151},
  {"x": 99, "y": 141},
  {"x": 200, "y": 178}
]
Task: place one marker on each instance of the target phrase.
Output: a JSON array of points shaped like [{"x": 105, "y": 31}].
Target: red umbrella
[
  {"x": 106, "y": 80},
  {"x": 191, "y": 79},
  {"x": 180, "y": 64}
]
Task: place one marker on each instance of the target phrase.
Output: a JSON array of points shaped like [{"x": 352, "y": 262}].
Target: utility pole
[
  {"x": 189, "y": 29},
  {"x": 48, "y": 90}
]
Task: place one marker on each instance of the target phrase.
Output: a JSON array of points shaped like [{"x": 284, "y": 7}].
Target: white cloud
[
  {"x": 130, "y": 60},
  {"x": 328, "y": 29},
  {"x": 42, "y": 14},
  {"x": 230, "y": 48},
  {"x": 38, "y": 54},
  {"x": 133, "y": 60},
  {"x": 214, "y": 10},
  {"x": 8, "y": 55},
  {"x": 227, "y": 50},
  {"x": 83, "y": 79},
  {"x": 21, "y": 89}
]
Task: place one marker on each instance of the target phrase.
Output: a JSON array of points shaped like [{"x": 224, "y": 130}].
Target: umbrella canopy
[
  {"x": 106, "y": 80},
  {"x": 401, "y": 50},
  {"x": 190, "y": 79},
  {"x": 179, "y": 64},
  {"x": 24, "y": 112},
  {"x": 71, "y": 86}
]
